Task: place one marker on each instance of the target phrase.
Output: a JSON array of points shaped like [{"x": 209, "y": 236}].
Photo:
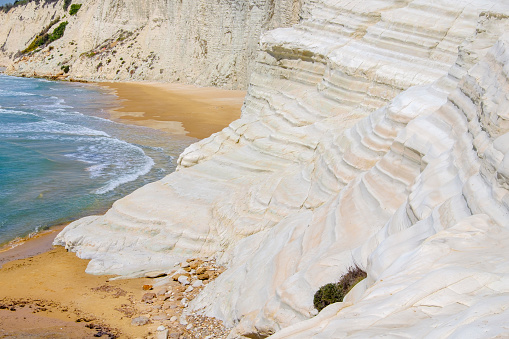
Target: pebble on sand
[{"x": 139, "y": 321}]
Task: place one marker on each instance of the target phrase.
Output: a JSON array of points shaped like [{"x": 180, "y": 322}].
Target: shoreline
[
  {"x": 133, "y": 106},
  {"x": 45, "y": 288},
  {"x": 34, "y": 244}
]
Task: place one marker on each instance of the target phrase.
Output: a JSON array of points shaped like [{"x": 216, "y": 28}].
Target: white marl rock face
[
  {"x": 374, "y": 133},
  {"x": 209, "y": 43}
]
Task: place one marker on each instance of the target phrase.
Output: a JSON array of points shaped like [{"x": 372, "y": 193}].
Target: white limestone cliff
[
  {"x": 201, "y": 42},
  {"x": 373, "y": 132}
]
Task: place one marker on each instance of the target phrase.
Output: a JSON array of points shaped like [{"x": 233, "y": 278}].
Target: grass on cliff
[
  {"x": 74, "y": 9},
  {"x": 335, "y": 292},
  {"x": 44, "y": 39}
]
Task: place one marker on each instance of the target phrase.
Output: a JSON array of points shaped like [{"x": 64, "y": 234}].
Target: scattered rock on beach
[
  {"x": 147, "y": 297},
  {"x": 165, "y": 306},
  {"x": 162, "y": 333},
  {"x": 155, "y": 274},
  {"x": 195, "y": 263},
  {"x": 204, "y": 276},
  {"x": 162, "y": 291},
  {"x": 184, "y": 280},
  {"x": 140, "y": 321},
  {"x": 147, "y": 287},
  {"x": 197, "y": 283}
]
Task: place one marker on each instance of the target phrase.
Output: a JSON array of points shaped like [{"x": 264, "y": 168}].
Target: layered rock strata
[
  {"x": 373, "y": 133},
  {"x": 200, "y": 42}
]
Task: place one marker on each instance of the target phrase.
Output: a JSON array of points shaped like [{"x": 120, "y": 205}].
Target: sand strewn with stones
[{"x": 50, "y": 296}]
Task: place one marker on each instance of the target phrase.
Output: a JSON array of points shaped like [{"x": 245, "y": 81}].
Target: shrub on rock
[
  {"x": 74, "y": 9},
  {"x": 335, "y": 292}
]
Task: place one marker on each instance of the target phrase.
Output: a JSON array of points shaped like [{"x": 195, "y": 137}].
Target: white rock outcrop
[
  {"x": 193, "y": 41},
  {"x": 373, "y": 132}
]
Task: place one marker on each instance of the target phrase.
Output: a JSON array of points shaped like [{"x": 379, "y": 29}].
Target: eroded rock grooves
[{"x": 373, "y": 133}]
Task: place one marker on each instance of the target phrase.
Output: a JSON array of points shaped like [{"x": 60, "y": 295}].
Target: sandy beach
[
  {"x": 47, "y": 294},
  {"x": 179, "y": 109},
  {"x": 44, "y": 290}
]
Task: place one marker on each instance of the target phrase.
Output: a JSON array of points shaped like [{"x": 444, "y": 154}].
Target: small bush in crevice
[
  {"x": 65, "y": 68},
  {"x": 335, "y": 292},
  {"x": 74, "y": 9}
]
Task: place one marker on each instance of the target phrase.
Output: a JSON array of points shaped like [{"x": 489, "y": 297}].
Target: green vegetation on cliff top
[{"x": 7, "y": 7}]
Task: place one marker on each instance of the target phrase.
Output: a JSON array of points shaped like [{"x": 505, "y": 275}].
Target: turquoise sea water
[{"x": 60, "y": 159}]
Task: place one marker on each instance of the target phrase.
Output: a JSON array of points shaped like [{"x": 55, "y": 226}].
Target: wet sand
[
  {"x": 197, "y": 112},
  {"x": 24, "y": 248}
]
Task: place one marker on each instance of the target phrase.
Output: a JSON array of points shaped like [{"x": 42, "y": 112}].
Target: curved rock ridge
[
  {"x": 373, "y": 133},
  {"x": 200, "y": 42}
]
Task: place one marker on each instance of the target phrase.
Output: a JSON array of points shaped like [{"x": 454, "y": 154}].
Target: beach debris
[
  {"x": 116, "y": 292},
  {"x": 140, "y": 321},
  {"x": 147, "y": 297},
  {"x": 127, "y": 310},
  {"x": 147, "y": 287},
  {"x": 102, "y": 331}
]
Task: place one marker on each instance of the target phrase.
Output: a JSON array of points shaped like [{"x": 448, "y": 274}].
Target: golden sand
[
  {"x": 178, "y": 109},
  {"x": 56, "y": 292}
]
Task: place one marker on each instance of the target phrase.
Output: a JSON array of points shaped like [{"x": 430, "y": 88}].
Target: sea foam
[{"x": 60, "y": 159}]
